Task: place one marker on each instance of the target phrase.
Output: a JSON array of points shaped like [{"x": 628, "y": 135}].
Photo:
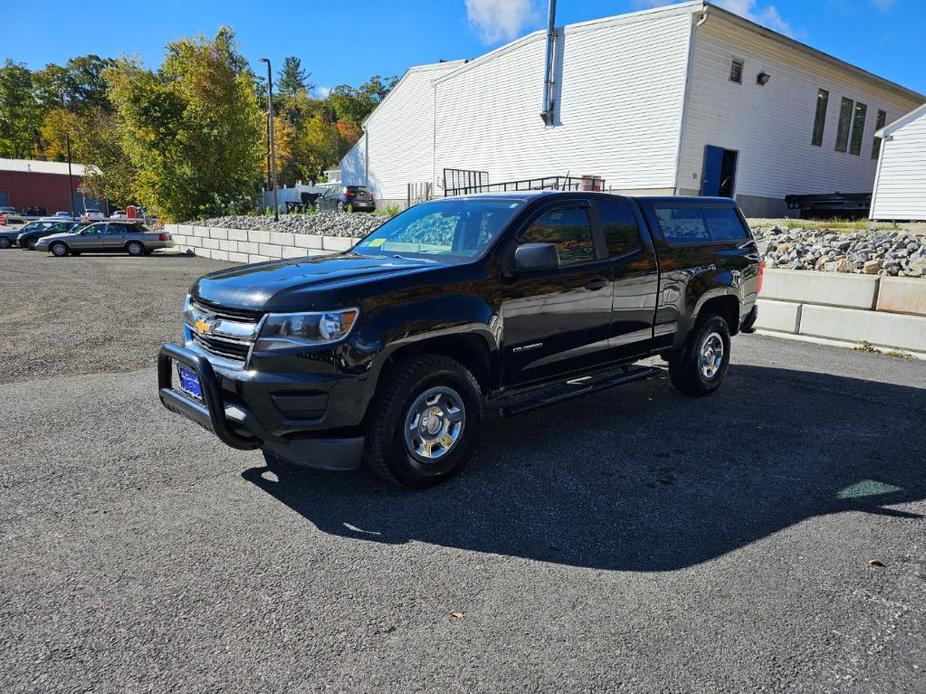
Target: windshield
[{"x": 444, "y": 228}]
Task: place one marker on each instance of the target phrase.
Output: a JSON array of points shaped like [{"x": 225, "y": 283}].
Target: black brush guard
[{"x": 212, "y": 413}]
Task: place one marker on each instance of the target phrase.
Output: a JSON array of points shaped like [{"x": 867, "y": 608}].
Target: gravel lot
[
  {"x": 632, "y": 540},
  {"x": 89, "y": 314}
]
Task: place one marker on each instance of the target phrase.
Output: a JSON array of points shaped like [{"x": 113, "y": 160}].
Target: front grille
[{"x": 221, "y": 347}]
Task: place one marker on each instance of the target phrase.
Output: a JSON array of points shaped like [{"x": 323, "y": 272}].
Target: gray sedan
[{"x": 107, "y": 237}]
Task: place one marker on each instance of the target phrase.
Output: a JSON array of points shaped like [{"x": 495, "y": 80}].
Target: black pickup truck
[{"x": 388, "y": 354}]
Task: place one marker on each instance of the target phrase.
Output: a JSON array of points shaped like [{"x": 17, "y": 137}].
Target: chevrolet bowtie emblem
[{"x": 202, "y": 326}]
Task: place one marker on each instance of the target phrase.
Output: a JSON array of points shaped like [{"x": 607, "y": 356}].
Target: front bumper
[{"x": 236, "y": 425}]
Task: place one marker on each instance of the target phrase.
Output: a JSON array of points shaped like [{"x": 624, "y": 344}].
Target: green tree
[
  {"x": 354, "y": 104},
  {"x": 20, "y": 112},
  {"x": 78, "y": 86},
  {"x": 193, "y": 130},
  {"x": 293, "y": 79}
]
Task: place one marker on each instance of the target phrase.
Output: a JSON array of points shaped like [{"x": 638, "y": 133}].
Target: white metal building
[
  {"x": 686, "y": 99},
  {"x": 900, "y": 184}
]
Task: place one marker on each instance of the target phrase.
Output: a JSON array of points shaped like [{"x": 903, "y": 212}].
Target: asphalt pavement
[{"x": 634, "y": 539}]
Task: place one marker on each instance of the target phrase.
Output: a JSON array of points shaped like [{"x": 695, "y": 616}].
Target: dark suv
[
  {"x": 390, "y": 352},
  {"x": 342, "y": 198}
]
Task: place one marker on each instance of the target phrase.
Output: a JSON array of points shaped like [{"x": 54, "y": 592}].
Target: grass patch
[
  {"x": 834, "y": 224},
  {"x": 899, "y": 354}
]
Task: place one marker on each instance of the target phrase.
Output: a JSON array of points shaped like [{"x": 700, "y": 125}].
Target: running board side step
[{"x": 572, "y": 388}]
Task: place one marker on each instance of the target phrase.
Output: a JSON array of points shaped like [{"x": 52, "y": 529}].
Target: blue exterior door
[{"x": 713, "y": 166}]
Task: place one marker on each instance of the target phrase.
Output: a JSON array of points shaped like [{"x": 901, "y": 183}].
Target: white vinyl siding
[
  {"x": 772, "y": 126},
  {"x": 900, "y": 192},
  {"x": 620, "y": 89},
  {"x": 397, "y": 146}
]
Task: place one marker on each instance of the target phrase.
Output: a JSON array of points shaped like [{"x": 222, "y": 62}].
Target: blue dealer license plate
[{"x": 189, "y": 382}]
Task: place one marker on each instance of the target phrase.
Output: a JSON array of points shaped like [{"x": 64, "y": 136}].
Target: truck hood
[{"x": 293, "y": 285}]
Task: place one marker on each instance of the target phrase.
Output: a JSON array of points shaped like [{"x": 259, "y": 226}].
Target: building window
[
  {"x": 876, "y": 143},
  {"x": 858, "y": 129},
  {"x": 736, "y": 71},
  {"x": 819, "y": 120},
  {"x": 845, "y": 119}
]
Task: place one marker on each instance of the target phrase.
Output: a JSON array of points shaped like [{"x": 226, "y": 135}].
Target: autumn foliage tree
[{"x": 193, "y": 129}]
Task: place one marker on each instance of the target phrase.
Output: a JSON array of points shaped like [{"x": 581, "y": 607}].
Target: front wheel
[
  {"x": 700, "y": 366},
  {"x": 30, "y": 244},
  {"x": 424, "y": 421},
  {"x": 59, "y": 249},
  {"x": 5, "y": 242}
]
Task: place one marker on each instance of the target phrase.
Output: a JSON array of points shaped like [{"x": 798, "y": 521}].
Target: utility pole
[
  {"x": 67, "y": 140},
  {"x": 273, "y": 152}
]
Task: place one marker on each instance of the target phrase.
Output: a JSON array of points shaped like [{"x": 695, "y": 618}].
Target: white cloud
[
  {"x": 884, "y": 5},
  {"x": 322, "y": 92},
  {"x": 766, "y": 15},
  {"x": 500, "y": 20}
]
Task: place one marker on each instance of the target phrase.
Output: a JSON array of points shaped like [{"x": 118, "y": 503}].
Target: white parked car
[{"x": 93, "y": 216}]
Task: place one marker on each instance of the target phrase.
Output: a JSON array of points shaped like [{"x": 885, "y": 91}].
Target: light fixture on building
[{"x": 762, "y": 78}]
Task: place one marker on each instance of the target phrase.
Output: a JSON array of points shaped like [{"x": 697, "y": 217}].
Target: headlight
[{"x": 282, "y": 330}]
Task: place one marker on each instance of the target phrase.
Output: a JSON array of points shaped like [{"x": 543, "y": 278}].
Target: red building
[{"x": 26, "y": 183}]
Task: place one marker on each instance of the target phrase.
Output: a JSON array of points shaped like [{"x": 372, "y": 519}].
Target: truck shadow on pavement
[{"x": 643, "y": 479}]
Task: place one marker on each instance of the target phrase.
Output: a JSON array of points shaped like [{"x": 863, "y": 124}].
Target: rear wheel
[
  {"x": 5, "y": 242},
  {"x": 135, "y": 248},
  {"x": 59, "y": 249},
  {"x": 700, "y": 366},
  {"x": 424, "y": 421}
]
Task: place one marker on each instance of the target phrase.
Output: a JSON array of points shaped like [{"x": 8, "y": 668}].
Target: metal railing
[
  {"x": 587, "y": 183},
  {"x": 464, "y": 179}
]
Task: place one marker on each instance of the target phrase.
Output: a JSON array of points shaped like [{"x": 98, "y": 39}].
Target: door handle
[{"x": 596, "y": 284}]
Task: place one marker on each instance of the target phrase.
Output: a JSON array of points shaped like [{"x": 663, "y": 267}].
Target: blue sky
[{"x": 346, "y": 42}]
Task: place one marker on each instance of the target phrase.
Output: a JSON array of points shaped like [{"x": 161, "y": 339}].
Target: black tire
[
  {"x": 30, "y": 244},
  {"x": 688, "y": 372},
  {"x": 5, "y": 242},
  {"x": 135, "y": 248},
  {"x": 340, "y": 206},
  {"x": 59, "y": 249},
  {"x": 387, "y": 454}
]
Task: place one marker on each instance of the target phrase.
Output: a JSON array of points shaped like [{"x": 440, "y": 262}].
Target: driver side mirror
[{"x": 536, "y": 256}]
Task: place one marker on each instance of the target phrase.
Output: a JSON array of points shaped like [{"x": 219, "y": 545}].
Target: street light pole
[
  {"x": 273, "y": 152},
  {"x": 67, "y": 140}
]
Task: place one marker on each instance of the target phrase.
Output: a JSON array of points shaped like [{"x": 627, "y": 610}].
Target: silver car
[{"x": 107, "y": 237}]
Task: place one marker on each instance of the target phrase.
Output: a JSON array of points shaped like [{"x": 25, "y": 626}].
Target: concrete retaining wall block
[
  {"x": 782, "y": 316},
  {"x": 902, "y": 295},
  {"x": 874, "y": 327},
  {"x": 827, "y": 288}
]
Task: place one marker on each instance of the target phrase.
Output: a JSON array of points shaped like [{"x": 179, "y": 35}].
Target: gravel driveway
[{"x": 632, "y": 540}]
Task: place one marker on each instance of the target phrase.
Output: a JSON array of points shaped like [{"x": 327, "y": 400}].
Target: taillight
[
  {"x": 761, "y": 274},
  {"x": 165, "y": 236}
]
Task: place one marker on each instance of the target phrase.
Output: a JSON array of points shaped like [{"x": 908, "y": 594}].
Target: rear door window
[
  {"x": 569, "y": 229},
  {"x": 682, "y": 224},
  {"x": 692, "y": 224},
  {"x": 621, "y": 233}
]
